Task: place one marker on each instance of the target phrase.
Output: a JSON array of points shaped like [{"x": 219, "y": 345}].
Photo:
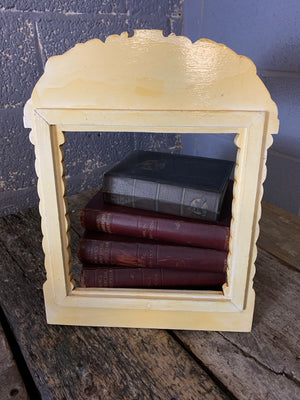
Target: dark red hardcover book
[
  {"x": 122, "y": 220},
  {"x": 156, "y": 278},
  {"x": 102, "y": 248}
]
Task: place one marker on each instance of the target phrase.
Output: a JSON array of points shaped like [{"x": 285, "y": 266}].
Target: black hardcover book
[{"x": 175, "y": 184}]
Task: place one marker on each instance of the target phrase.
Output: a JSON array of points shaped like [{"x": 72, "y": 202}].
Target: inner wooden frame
[{"x": 231, "y": 309}]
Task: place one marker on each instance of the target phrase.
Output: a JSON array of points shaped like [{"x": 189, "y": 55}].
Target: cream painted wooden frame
[{"x": 164, "y": 84}]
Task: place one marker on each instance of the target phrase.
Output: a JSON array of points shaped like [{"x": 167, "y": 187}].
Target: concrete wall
[
  {"x": 268, "y": 32},
  {"x": 31, "y": 31}
]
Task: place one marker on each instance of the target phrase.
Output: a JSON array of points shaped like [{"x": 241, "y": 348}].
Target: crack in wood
[{"x": 247, "y": 355}]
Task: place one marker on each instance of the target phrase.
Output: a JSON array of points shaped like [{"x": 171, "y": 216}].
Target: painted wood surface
[
  {"x": 163, "y": 84},
  {"x": 85, "y": 363},
  {"x": 152, "y": 72}
]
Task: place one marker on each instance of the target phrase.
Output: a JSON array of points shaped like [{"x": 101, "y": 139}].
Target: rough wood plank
[
  {"x": 265, "y": 363},
  {"x": 11, "y": 383},
  {"x": 280, "y": 234},
  {"x": 87, "y": 363}
]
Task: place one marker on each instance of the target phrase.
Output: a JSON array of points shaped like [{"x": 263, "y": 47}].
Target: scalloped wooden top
[{"x": 151, "y": 72}]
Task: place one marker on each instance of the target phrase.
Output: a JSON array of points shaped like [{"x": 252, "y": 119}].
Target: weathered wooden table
[{"x": 66, "y": 362}]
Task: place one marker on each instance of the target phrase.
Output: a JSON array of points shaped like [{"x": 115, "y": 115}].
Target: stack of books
[{"x": 160, "y": 221}]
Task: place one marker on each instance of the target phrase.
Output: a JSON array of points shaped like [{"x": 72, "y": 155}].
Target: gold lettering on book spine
[
  {"x": 151, "y": 229},
  {"x": 144, "y": 228},
  {"x": 102, "y": 223},
  {"x": 101, "y": 252},
  {"x": 107, "y": 253},
  {"x": 106, "y": 278},
  {"x": 107, "y": 222},
  {"x": 150, "y": 259},
  {"x": 110, "y": 278}
]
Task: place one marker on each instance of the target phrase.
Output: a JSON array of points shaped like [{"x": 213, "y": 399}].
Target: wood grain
[
  {"x": 11, "y": 383},
  {"x": 87, "y": 363},
  {"x": 280, "y": 233},
  {"x": 263, "y": 364}
]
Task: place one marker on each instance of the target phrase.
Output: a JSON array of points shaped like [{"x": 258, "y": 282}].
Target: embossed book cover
[{"x": 175, "y": 184}]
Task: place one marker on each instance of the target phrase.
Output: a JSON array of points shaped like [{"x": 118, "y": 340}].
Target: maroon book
[
  {"x": 156, "y": 278},
  {"x": 103, "y": 248},
  {"x": 122, "y": 220}
]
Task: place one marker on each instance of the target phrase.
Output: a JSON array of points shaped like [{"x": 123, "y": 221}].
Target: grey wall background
[
  {"x": 268, "y": 32},
  {"x": 30, "y": 33}
]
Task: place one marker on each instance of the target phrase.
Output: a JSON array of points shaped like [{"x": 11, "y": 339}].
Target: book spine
[
  {"x": 151, "y": 255},
  {"x": 160, "y": 197},
  {"x": 148, "y": 278},
  {"x": 155, "y": 228}
]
